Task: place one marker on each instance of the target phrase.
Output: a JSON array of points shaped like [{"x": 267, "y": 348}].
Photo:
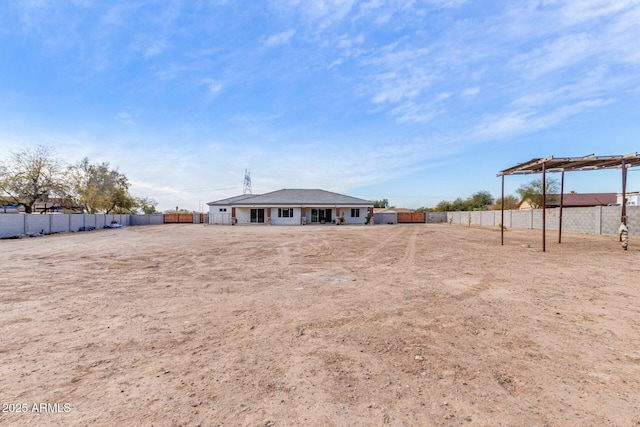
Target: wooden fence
[
  {"x": 406, "y": 217},
  {"x": 178, "y": 218}
]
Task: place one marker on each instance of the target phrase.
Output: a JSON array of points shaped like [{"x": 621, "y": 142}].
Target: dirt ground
[{"x": 407, "y": 325}]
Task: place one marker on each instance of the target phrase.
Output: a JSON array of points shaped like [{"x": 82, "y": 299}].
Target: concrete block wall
[
  {"x": 591, "y": 220},
  {"x": 17, "y": 224},
  {"x": 580, "y": 220},
  {"x": 60, "y": 223},
  {"x": 610, "y": 219},
  {"x": 36, "y": 224},
  {"x": 77, "y": 221},
  {"x": 147, "y": 219},
  {"x": 521, "y": 219},
  {"x": 553, "y": 218},
  {"x": 12, "y": 224},
  {"x": 436, "y": 217},
  {"x": 476, "y": 218},
  {"x": 488, "y": 218}
]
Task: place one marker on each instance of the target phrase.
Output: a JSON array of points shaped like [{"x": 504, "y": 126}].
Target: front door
[
  {"x": 257, "y": 216},
  {"x": 321, "y": 216}
]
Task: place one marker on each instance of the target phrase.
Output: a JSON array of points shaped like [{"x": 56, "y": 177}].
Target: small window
[
  {"x": 223, "y": 209},
  {"x": 355, "y": 213},
  {"x": 285, "y": 213}
]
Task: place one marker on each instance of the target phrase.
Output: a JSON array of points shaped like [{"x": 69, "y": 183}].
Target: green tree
[
  {"x": 460, "y": 205},
  {"x": 532, "y": 192},
  {"x": 443, "y": 206},
  {"x": 179, "y": 211},
  {"x": 424, "y": 209},
  {"x": 147, "y": 205},
  {"x": 98, "y": 188},
  {"x": 33, "y": 175},
  {"x": 384, "y": 203},
  {"x": 480, "y": 200},
  {"x": 510, "y": 202}
]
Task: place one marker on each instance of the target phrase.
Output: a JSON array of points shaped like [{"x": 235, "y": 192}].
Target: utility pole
[{"x": 246, "y": 189}]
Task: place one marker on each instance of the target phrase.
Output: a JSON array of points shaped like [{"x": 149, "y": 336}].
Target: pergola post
[
  {"x": 623, "y": 218},
  {"x": 502, "y": 216},
  {"x": 561, "y": 203},
  {"x": 544, "y": 206}
]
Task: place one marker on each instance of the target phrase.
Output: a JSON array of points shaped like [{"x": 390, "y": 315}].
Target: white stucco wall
[
  {"x": 243, "y": 215},
  {"x": 348, "y": 219},
  {"x": 218, "y": 215},
  {"x": 295, "y": 220}
]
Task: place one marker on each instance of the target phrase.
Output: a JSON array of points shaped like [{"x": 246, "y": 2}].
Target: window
[
  {"x": 355, "y": 213},
  {"x": 223, "y": 209},
  {"x": 285, "y": 213}
]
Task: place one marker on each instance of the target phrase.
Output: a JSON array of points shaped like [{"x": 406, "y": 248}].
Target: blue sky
[{"x": 414, "y": 101}]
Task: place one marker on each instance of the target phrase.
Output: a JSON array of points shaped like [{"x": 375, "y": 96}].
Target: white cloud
[
  {"x": 470, "y": 92},
  {"x": 519, "y": 122},
  {"x": 280, "y": 38},
  {"x": 125, "y": 118},
  {"x": 575, "y": 12},
  {"x": 155, "y": 48},
  {"x": 557, "y": 54},
  {"x": 214, "y": 86}
]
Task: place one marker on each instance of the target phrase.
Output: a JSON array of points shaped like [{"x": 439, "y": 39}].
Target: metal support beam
[
  {"x": 561, "y": 203},
  {"x": 544, "y": 206},
  {"x": 502, "y": 216},
  {"x": 623, "y": 218}
]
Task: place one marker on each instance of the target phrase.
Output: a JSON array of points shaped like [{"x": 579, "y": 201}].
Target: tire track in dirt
[
  {"x": 370, "y": 254},
  {"x": 409, "y": 258}
]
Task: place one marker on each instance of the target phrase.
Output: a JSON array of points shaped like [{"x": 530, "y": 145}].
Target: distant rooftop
[{"x": 286, "y": 197}]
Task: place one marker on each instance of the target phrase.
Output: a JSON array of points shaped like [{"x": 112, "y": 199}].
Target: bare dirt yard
[{"x": 409, "y": 325}]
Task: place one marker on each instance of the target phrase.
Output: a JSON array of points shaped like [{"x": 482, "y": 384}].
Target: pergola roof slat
[{"x": 568, "y": 164}]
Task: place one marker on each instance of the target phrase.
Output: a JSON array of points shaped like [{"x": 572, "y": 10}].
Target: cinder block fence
[
  {"x": 603, "y": 220},
  {"x": 15, "y": 224}
]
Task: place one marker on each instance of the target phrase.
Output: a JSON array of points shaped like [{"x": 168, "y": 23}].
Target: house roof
[
  {"x": 231, "y": 200},
  {"x": 391, "y": 210},
  {"x": 579, "y": 200},
  {"x": 585, "y": 199},
  {"x": 292, "y": 197}
]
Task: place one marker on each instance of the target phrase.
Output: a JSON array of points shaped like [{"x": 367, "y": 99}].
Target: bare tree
[{"x": 33, "y": 175}]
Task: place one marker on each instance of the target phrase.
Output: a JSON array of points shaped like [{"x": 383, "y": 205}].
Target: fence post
[{"x": 531, "y": 227}]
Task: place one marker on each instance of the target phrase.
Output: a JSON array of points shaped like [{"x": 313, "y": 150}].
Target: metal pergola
[{"x": 570, "y": 164}]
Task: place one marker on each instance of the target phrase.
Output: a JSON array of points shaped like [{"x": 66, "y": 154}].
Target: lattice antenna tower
[{"x": 246, "y": 189}]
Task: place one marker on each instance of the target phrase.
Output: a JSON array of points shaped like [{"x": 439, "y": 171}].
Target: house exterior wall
[
  {"x": 220, "y": 214},
  {"x": 243, "y": 214},
  {"x": 633, "y": 199},
  {"x": 348, "y": 219},
  {"x": 295, "y": 220}
]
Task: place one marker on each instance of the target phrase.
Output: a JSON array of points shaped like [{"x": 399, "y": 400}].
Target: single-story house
[
  {"x": 575, "y": 200},
  {"x": 290, "y": 207}
]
